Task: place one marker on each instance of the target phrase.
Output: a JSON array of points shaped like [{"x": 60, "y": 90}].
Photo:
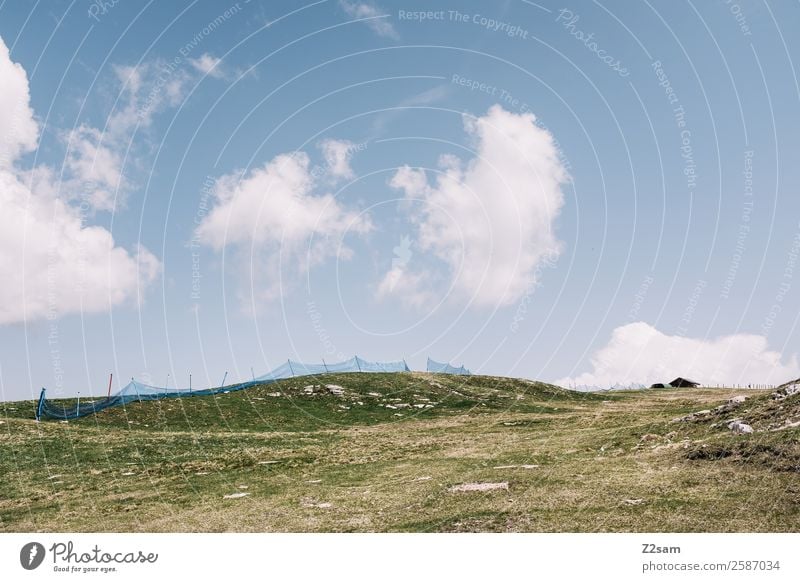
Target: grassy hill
[{"x": 403, "y": 452}]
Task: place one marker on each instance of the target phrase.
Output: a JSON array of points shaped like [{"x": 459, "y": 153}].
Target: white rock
[
  {"x": 468, "y": 487},
  {"x": 235, "y": 495},
  {"x": 740, "y": 427}
]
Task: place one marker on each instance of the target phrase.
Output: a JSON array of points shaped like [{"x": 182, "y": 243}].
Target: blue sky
[{"x": 585, "y": 192}]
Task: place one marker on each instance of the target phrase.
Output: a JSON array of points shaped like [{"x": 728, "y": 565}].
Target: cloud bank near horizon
[{"x": 638, "y": 353}]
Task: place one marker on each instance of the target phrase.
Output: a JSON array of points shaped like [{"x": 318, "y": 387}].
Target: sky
[{"x": 589, "y": 193}]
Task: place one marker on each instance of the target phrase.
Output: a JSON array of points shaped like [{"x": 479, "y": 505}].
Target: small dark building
[
  {"x": 660, "y": 386},
  {"x": 684, "y": 383}
]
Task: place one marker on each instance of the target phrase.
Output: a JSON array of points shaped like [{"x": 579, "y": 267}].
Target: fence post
[{"x": 40, "y": 406}]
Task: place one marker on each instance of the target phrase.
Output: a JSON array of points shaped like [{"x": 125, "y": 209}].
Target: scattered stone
[
  {"x": 694, "y": 416},
  {"x": 398, "y": 414},
  {"x": 308, "y": 389},
  {"x": 739, "y": 427},
  {"x": 633, "y": 501},
  {"x": 373, "y": 394},
  {"x": 391, "y": 406},
  {"x": 323, "y": 505},
  {"x": 730, "y": 405},
  {"x": 649, "y": 437},
  {"x": 517, "y": 467},
  {"x": 201, "y": 473},
  {"x": 469, "y": 487},
  {"x": 315, "y": 481},
  {"x": 128, "y": 473},
  {"x": 786, "y": 391},
  {"x": 235, "y": 495},
  {"x": 335, "y": 389},
  {"x": 51, "y": 477},
  {"x": 244, "y": 487},
  {"x": 420, "y": 405},
  {"x": 274, "y": 394},
  {"x": 403, "y": 405},
  {"x": 268, "y": 462}
]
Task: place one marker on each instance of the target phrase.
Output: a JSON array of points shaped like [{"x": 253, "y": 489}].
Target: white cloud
[
  {"x": 639, "y": 353},
  {"x": 409, "y": 286},
  {"x": 52, "y": 263},
  {"x": 337, "y": 155},
  {"x": 19, "y": 131},
  {"x": 208, "y": 65},
  {"x": 93, "y": 168},
  {"x": 95, "y": 163},
  {"x": 378, "y": 19},
  {"x": 491, "y": 220},
  {"x": 274, "y": 213}
]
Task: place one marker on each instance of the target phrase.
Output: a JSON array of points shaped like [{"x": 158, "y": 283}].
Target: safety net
[
  {"x": 136, "y": 391},
  {"x": 439, "y": 368}
]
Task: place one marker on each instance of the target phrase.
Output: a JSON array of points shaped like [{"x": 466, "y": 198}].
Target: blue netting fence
[
  {"x": 440, "y": 368},
  {"x": 136, "y": 391}
]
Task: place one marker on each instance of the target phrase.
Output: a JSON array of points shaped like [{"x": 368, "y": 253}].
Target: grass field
[{"x": 391, "y": 453}]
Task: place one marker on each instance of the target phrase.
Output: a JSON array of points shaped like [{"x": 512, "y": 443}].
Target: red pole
[{"x": 109, "y": 385}]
